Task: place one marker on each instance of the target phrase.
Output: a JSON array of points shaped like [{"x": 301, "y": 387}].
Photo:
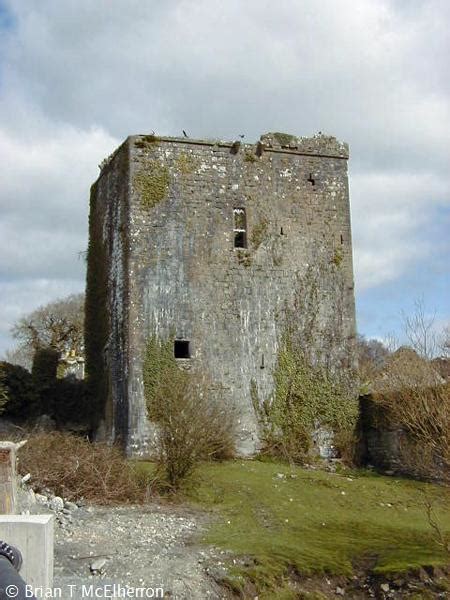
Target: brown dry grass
[
  {"x": 416, "y": 400},
  {"x": 74, "y": 468}
]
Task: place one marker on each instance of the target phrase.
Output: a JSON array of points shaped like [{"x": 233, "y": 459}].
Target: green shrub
[{"x": 192, "y": 424}]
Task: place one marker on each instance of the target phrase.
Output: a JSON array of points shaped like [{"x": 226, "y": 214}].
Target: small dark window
[
  {"x": 181, "y": 349},
  {"x": 239, "y": 239},
  {"x": 342, "y": 239},
  {"x": 311, "y": 180},
  {"x": 281, "y": 231},
  {"x": 240, "y": 228}
]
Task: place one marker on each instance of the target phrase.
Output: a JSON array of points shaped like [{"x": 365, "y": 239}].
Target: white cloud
[
  {"x": 391, "y": 215},
  {"x": 44, "y": 200},
  {"x": 78, "y": 76},
  {"x": 26, "y": 295}
]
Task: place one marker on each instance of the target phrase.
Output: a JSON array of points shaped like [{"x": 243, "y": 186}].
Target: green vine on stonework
[
  {"x": 96, "y": 312},
  {"x": 159, "y": 366},
  {"x": 186, "y": 163},
  {"x": 250, "y": 157},
  {"x": 308, "y": 392},
  {"x": 146, "y": 141},
  {"x": 244, "y": 258},
  {"x": 3, "y": 389},
  {"x": 284, "y": 139},
  {"x": 338, "y": 257},
  {"x": 151, "y": 182},
  {"x": 259, "y": 233}
]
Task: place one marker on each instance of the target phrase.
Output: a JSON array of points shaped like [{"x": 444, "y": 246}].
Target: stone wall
[
  {"x": 389, "y": 447},
  {"x": 174, "y": 271}
]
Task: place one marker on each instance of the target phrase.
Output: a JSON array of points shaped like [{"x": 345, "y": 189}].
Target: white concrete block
[{"x": 33, "y": 536}]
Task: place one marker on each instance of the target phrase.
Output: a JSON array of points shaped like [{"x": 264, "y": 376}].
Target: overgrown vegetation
[
  {"x": 279, "y": 521},
  {"x": 186, "y": 163},
  {"x": 408, "y": 395},
  {"x": 416, "y": 400},
  {"x": 24, "y": 396},
  {"x": 250, "y": 157},
  {"x": 151, "y": 182},
  {"x": 338, "y": 257},
  {"x": 284, "y": 139},
  {"x": 146, "y": 141},
  {"x": 97, "y": 312},
  {"x": 19, "y": 397},
  {"x": 244, "y": 257},
  {"x": 259, "y": 233},
  {"x": 4, "y": 396},
  {"x": 192, "y": 424},
  {"x": 74, "y": 468},
  {"x": 312, "y": 392},
  {"x": 307, "y": 397}
]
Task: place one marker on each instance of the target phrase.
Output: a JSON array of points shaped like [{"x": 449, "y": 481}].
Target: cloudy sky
[{"x": 78, "y": 76}]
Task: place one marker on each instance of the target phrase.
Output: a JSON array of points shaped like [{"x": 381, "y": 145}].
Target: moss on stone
[
  {"x": 147, "y": 140},
  {"x": 338, "y": 257},
  {"x": 151, "y": 182},
  {"x": 244, "y": 258},
  {"x": 186, "y": 163},
  {"x": 259, "y": 233},
  {"x": 250, "y": 157},
  {"x": 284, "y": 139},
  {"x": 97, "y": 313}
]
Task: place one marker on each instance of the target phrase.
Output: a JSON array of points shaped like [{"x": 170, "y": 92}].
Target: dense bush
[
  {"x": 19, "y": 398},
  {"x": 192, "y": 424},
  {"x": 414, "y": 399},
  {"x": 25, "y": 396},
  {"x": 74, "y": 468}
]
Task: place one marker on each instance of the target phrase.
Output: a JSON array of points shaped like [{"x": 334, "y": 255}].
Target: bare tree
[
  {"x": 372, "y": 355},
  {"x": 420, "y": 330},
  {"x": 18, "y": 356},
  {"x": 58, "y": 325},
  {"x": 445, "y": 342}
]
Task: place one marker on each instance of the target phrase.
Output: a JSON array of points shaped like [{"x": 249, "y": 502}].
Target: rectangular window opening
[
  {"x": 239, "y": 239},
  {"x": 181, "y": 349},
  {"x": 240, "y": 228}
]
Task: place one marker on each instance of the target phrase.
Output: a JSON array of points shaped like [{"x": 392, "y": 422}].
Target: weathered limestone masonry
[{"x": 210, "y": 242}]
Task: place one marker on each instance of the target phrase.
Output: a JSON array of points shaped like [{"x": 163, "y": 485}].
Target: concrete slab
[{"x": 33, "y": 536}]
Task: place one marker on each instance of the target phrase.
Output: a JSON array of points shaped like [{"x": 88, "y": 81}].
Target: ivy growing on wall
[
  {"x": 309, "y": 391},
  {"x": 97, "y": 312},
  {"x": 146, "y": 141},
  {"x": 284, "y": 139},
  {"x": 259, "y": 233},
  {"x": 151, "y": 182},
  {"x": 159, "y": 366},
  {"x": 186, "y": 163}
]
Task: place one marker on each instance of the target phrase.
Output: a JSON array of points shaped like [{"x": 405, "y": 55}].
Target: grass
[{"x": 314, "y": 522}]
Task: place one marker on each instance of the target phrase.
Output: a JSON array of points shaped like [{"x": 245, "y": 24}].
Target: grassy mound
[{"x": 290, "y": 519}]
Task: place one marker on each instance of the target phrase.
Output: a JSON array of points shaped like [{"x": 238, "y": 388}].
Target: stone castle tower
[{"x": 211, "y": 243}]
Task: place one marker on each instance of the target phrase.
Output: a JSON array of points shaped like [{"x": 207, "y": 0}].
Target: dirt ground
[{"x": 150, "y": 547}]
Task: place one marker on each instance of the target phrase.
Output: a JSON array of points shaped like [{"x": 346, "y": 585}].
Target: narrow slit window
[
  {"x": 181, "y": 349},
  {"x": 240, "y": 228}
]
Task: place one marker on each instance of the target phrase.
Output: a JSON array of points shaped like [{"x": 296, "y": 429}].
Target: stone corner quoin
[{"x": 211, "y": 242}]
